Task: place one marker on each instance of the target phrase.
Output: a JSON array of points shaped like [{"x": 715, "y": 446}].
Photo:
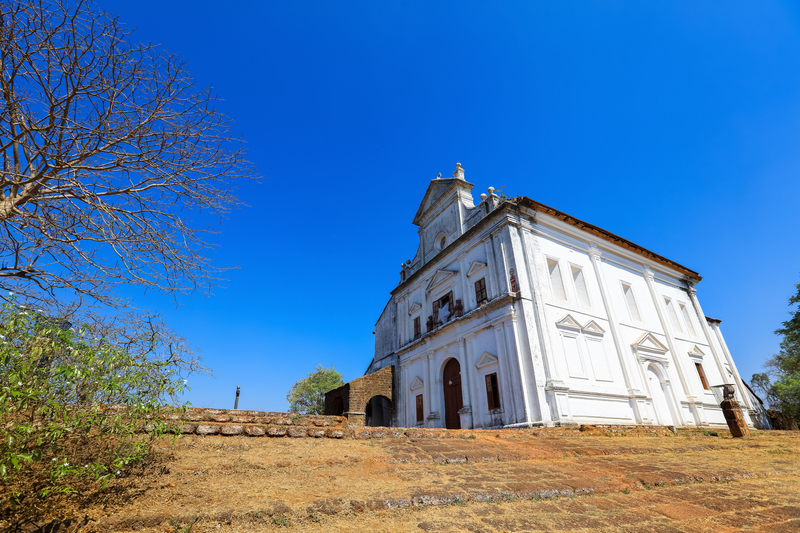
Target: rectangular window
[
  {"x": 417, "y": 327},
  {"x": 673, "y": 316},
  {"x": 443, "y": 308},
  {"x": 492, "y": 392},
  {"x": 480, "y": 291},
  {"x": 580, "y": 286},
  {"x": 702, "y": 374},
  {"x": 688, "y": 320},
  {"x": 556, "y": 282},
  {"x": 420, "y": 410},
  {"x": 630, "y": 301}
]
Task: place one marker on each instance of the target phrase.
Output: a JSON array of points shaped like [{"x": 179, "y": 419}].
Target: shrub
[{"x": 73, "y": 405}]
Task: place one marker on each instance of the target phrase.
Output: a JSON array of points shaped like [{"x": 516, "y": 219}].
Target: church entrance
[
  {"x": 452, "y": 394},
  {"x": 659, "y": 399}
]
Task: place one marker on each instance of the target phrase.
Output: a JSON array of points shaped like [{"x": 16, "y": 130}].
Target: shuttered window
[
  {"x": 420, "y": 410},
  {"x": 556, "y": 282},
  {"x": 630, "y": 301},
  {"x": 688, "y": 319},
  {"x": 580, "y": 286},
  {"x": 417, "y": 327},
  {"x": 702, "y": 374},
  {"x": 480, "y": 290},
  {"x": 492, "y": 392},
  {"x": 673, "y": 316}
]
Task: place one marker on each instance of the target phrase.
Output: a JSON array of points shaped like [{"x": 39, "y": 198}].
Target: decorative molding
[
  {"x": 486, "y": 359},
  {"x": 593, "y": 327},
  {"x": 475, "y": 267},
  {"x": 414, "y": 308},
  {"x": 417, "y": 383},
  {"x": 696, "y": 351},
  {"x": 568, "y": 322},
  {"x": 649, "y": 342},
  {"x": 440, "y": 276}
]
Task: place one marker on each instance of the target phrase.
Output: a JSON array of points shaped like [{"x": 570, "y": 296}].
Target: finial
[
  {"x": 484, "y": 196},
  {"x": 459, "y": 172},
  {"x": 491, "y": 190},
  {"x": 439, "y": 176}
]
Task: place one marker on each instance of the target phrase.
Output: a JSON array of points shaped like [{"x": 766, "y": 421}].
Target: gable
[
  {"x": 414, "y": 308},
  {"x": 416, "y": 384},
  {"x": 593, "y": 327},
  {"x": 648, "y": 341},
  {"x": 568, "y": 322},
  {"x": 696, "y": 351},
  {"x": 440, "y": 276},
  {"x": 486, "y": 360},
  {"x": 436, "y": 190},
  {"x": 475, "y": 267}
]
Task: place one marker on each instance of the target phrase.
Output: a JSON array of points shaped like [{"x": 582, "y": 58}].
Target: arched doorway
[
  {"x": 452, "y": 394},
  {"x": 659, "y": 398},
  {"x": 379, "y": 412}
]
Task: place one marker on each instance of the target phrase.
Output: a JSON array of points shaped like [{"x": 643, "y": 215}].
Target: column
[
  {"x": 509, "y": 405},
  {"x": 403, "y": 396},
  {"x": 432, "y": 389},
  {"x": 466, "y": 411},
  {"x": 474, "y": 391},
  {"x": 516, "y": 356},
  {"x": 491, "y": 287},
  {"x": 500, "y": 263},
  {"x": 465, "y": 294}
]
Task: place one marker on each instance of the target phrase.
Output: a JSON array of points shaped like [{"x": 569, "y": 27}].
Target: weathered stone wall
[
  {"x": 203, "y": 422},
  {"x": 358, "y": 393},
  {"x": 780, "y": 421}
]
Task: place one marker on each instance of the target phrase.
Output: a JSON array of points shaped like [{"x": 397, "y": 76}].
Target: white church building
[{"x": 515, "y": 314}]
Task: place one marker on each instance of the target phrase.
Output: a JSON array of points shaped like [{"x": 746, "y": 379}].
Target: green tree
[
  {"x": 307, "y": 396},
  {"x": 73, "y": 405},
  {"x": 784, "y": 392}
]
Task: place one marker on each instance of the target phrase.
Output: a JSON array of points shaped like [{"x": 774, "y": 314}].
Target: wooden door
[{"x": 452, "y": 394}]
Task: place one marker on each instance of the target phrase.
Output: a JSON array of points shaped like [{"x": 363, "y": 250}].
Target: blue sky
[{"x": 673, "y": 124}]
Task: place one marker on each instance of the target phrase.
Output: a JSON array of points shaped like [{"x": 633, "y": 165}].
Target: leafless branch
[{"x": 106, "y": 147}]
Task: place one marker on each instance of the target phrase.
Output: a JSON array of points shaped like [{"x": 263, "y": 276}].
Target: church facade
[{"x": 515, "y": 314}]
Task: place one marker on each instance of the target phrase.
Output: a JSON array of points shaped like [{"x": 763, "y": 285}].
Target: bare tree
[{"x": 107, "y": 145}]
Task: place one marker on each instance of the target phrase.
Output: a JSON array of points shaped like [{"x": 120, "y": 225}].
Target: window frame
[
  {"x": 482, "y": 290},
  {"x": 420, "y": 407},
  {"x": 581, "y": 269},
  {"x": 624, "y": 284},
  {"x": 553, "y": 295},
  {"x": 492, "y": 384},
  {"x": 702, "y": 374}
]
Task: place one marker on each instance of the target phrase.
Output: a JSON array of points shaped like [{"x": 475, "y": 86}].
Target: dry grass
[{"x": 497, "y": 481}]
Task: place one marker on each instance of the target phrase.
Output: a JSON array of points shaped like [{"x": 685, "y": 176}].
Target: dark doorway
[
  {"x": 379, "y": 412},
  {"x": 452, "y": 394},
  {"x": 337, "y": 408}
]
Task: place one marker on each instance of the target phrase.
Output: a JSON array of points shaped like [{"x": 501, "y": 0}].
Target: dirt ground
[{"x": 487, "y": 481}]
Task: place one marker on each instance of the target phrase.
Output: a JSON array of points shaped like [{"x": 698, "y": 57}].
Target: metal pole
[{"x": 238, "y": 389}]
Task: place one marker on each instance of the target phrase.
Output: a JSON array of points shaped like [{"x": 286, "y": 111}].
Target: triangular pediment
[
  {"x": 414, "y": 308},
  {"x": 696, "y": 351},
  {"x": 440, "y": 276},
  {"x": 486, "y": 360},
  {"x": 568, "y": 322},
  {"x": 648, "y": 341},
  {"x": 436, "y": 189},
  {"x": 475, "y": 267},
  {"x": 417, "y": 383},
  {"x": 593, "y": 327}
]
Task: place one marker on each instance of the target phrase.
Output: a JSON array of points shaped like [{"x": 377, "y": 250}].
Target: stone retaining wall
[{"x": 207, "y": 422}]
